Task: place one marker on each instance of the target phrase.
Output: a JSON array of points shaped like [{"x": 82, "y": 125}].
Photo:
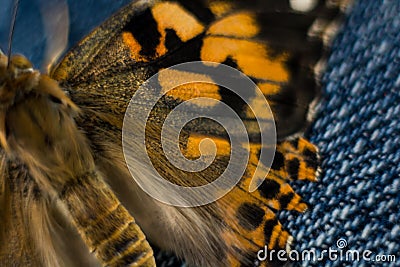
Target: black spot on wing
[
  {"x": 188, "y": 51},
  {"x": 232, "y": 99},
  {"x": 311, "y": 159},
  {"x": 293, "y": 168},
  {"x": 199, "y": 9},
  {"x": 269, "y": 189},
  {"x": 294, "y": 142},
  {"x": 278, "y": 162},
  {"x": 172, "y": 40},
  {"x": 229, "y": 61},
  {"x": 144, "y": 29},
  {"x": 269, "y": 228},
  {"x": 250, "y": 216},
  {"x": 284, "y": 200}
]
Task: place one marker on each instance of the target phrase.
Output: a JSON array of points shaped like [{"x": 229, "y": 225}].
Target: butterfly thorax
[
  {"x": 19, "y": 82},
  {"x": 37, "y": 121},
  {"x": 17, "y": 78}
]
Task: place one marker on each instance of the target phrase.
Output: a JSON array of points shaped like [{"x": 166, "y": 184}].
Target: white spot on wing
[{"x": 303, "y": 5}]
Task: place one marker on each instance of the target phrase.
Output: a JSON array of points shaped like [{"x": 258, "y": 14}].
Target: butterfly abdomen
[{"x": 105, "y": 225}]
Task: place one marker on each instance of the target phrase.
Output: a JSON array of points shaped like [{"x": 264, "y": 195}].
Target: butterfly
[{"x": 67, "y": 193}]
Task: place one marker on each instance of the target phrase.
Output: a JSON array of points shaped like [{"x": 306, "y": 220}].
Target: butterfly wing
[{"x": 277, "y": 45}]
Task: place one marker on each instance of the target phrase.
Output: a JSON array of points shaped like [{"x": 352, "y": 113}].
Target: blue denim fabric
[{"x": 357, "y": 128}]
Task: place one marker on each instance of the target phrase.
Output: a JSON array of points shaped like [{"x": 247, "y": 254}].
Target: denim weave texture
[{"x": 357, "y": 130}]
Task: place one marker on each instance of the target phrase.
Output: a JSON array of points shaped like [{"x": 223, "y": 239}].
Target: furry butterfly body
[{"x": 67, "y": 194}]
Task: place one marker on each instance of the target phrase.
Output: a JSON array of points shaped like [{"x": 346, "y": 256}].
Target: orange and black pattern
[
  {"x": 279, "y": 48},
  {"x": 276, "y": 46}
]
